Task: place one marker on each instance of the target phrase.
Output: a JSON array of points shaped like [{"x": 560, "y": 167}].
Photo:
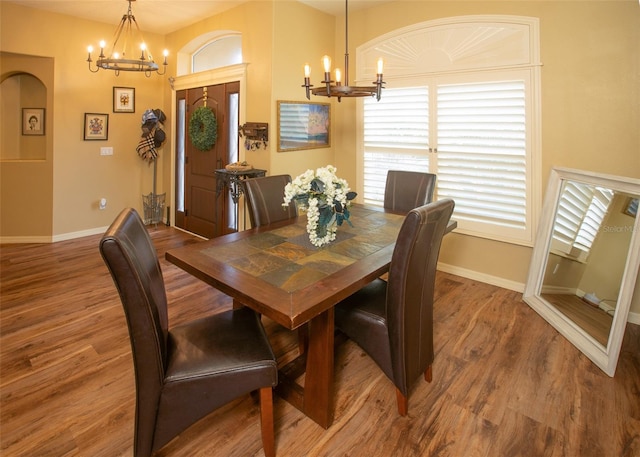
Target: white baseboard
[
  {"x": 55, "y": 238},
  {"x": 482, "y": 277},
  {"x": 51, "y": 239},
  {"x": 25, "y": 239},
  {"x": 80, "y": 234},
  {"x": 560, "y": 290}
]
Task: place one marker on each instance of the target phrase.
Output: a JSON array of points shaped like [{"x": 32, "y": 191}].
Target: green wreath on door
[{"x": 203, "y": 128}]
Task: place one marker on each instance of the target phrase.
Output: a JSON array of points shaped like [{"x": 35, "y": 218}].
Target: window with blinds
[
  {"x": 396, "y": 137},
  {"x": 581, "y": 211},
  {"x": 462, "y": 101},
  {"x": 482, "y": 160},
  {"x": 474, "y": 140}
]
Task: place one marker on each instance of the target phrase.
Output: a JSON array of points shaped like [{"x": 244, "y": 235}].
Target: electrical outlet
[{"x": 106, "y": 151}]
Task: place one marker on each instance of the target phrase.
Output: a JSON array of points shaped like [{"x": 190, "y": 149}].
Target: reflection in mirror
[{"x": 585, "y": 260}]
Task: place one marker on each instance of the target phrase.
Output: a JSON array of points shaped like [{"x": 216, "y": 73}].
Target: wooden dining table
[{"x": 276, "y": 271}]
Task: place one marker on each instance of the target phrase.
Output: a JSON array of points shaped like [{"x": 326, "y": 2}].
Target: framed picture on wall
[
  {"x": 303, "y": 125},
  {"x": 33, "y": 121},
  {"x": 96, "y": 126},
  {"x": 124, "y": 100}
]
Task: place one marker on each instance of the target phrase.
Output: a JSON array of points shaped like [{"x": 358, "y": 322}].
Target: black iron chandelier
[
  {"x": 127, "y": 34},
  {"x": 329, "y": 89}
]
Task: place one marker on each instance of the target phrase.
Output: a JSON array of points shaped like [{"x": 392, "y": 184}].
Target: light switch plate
[{"x": 106, "y": 151}]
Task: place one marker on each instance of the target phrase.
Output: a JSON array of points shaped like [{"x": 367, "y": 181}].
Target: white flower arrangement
[{"x": 325, "y": 197}]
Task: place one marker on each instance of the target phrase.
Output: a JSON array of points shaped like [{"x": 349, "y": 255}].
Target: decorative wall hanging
[
  {"x": 96, "y": 126},
  {"x": 124, "y": 100},
  {"x": 303, "y": 125},
  {"x": 256, "y": 135},
  {"x": 203, "y": 128},
  {"x": 152, "y": 135},
  {"x": 33, "y": 121}
]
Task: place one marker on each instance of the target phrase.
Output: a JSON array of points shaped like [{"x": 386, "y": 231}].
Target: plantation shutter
[
  {"x": 396, "y": 137},
  {"x": 580, "y": 214},
  {"x": 482, "y": 152}
]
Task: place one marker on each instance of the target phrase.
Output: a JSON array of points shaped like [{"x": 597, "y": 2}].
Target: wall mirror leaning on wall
[{"x": 585, "y": 260}]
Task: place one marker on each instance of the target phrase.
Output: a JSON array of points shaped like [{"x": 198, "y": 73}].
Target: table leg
[{"x": 318, "y": 381}]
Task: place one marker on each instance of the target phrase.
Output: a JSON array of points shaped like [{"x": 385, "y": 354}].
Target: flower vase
[
  {"x": 322, "y": 230},
  {"x": 325, "y": 198},
  {"x": 325, "y": 228}
]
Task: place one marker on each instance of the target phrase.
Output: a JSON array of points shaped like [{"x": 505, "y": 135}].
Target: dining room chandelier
[
  {"x": 337, "y": 88},
  {"x": 122, "y": 57}
]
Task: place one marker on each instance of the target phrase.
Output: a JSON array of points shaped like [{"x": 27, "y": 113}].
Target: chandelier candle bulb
[
  {"x": 380, "y": 65},
  {"x": 338, "y": 76},
  {"x": 326, "y": 62},
  {"x": 307, "y": 79}
]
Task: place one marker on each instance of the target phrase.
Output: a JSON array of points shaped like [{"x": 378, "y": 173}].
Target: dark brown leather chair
[
  {"x": 264, "y": 200},
  {"x": 184, "y": 373},
  {"x": 406, "y": 190},
  {"x": 393, "y": 320}
]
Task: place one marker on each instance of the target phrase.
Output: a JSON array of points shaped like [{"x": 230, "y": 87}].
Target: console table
[{"x": 233, "y": 181}]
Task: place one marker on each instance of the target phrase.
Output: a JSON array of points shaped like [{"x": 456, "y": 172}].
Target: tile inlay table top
[{"x": 276, "y": 271}]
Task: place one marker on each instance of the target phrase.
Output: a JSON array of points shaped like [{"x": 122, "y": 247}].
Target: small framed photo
[
  {"x": 96, "y": 126},
  {"x": 124, "y": 100},
  {"x": 33, "y": 121}
]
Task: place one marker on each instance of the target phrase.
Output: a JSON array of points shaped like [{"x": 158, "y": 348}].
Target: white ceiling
[{"x": 164, "y": 16}]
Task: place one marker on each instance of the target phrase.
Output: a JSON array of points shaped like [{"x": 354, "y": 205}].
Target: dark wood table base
[
  {"x": 292, "y": 392},
  {"x": 316, "y": 398}
]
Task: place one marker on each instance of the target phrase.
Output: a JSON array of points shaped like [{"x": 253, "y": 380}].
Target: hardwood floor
[
  {"x": 504, "y": 382},
  {"x": 593, "y": 320}
]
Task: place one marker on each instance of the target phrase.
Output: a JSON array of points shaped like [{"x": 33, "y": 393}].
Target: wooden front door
[{"x": 199, "y": 208}]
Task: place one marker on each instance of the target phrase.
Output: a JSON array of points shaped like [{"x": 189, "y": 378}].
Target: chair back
[
  {"x": 132, "y": 260},
  {"x": 406, "y": 190},
  {"x": 265, "y": 196},
  {"x": 410, "y": 291}
]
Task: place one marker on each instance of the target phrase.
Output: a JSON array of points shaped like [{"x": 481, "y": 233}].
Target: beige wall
[
  {"x": 590, "y": 100},
  {"x": 609, "y": 253},
  {"x": 26, "y": 180},
  {"x": 80, "y": 176},
  {"x": 293, "y": 20}
]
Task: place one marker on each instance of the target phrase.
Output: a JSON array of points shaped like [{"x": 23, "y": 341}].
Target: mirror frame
[{"x": 606, "y": 358}]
